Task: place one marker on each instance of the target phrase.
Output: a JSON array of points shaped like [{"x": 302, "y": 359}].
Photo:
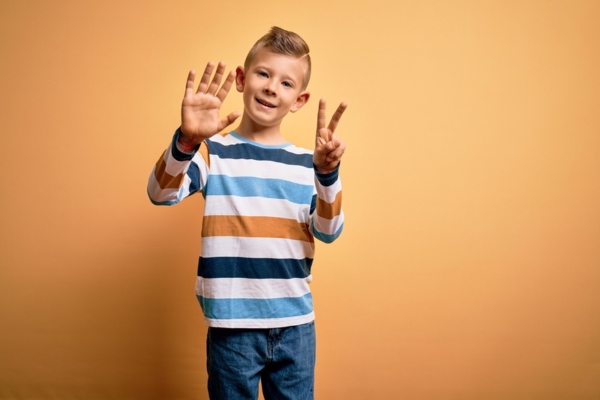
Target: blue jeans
[{"x": 283, "y": 359}]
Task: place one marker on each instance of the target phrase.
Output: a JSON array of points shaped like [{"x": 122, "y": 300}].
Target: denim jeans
[{"x": 283, "y": 359}]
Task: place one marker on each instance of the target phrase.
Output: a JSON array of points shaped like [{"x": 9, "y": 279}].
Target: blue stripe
[
  {"x": 313, "y": 204},
  {"x": 253, "y": 268},
  {"x": 161, "y": 203},
  {"x": 194, "y": 173},
  {"x": 168, "y": 202},
  {"x": 256, "y": 308},
  {"x": 224, "y": 185},
  {"x": 330, "y": 178},
  {"x": 323, "y": 237},
  {"x": 247, "y": 151}
]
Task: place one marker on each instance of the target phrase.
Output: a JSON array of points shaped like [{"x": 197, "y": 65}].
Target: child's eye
[
  {"x": 287, "y": 84},
  {"x": 263, "y": 74}
]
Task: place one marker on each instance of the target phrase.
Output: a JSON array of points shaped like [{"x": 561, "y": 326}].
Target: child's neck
[{"x": 267, "y": 135}]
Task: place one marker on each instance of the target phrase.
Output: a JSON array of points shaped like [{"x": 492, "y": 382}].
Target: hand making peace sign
[
  {"x": 200, "y": 110},
  {"x": 329, "y": 147}
]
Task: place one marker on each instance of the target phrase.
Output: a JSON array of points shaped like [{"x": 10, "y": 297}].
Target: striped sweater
[{"x": 264, "y": 205}]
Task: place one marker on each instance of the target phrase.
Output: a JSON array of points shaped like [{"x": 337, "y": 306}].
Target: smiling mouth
[{"x": 265, "y": 103}]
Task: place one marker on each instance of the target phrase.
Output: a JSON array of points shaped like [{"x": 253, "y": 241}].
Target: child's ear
[
  {"x": 300, "y": 101},
  {"x": 240, "y": 79}
]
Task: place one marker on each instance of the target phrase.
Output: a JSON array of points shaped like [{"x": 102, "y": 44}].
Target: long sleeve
[
  {"x": 327, "y": 216},
  {"x": 176, "y": 175}
]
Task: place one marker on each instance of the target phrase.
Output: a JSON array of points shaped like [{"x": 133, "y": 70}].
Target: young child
[{"x": 265, "y": 202}]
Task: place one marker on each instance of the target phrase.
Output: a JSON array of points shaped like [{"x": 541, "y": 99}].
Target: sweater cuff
[
  {"x": 177, "y": 150},
  {"x": 329, "y": 178}
]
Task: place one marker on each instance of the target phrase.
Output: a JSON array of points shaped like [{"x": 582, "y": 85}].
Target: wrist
[
  {"x": 185, "y": 142},
  {"x": 324, "y": 170}
]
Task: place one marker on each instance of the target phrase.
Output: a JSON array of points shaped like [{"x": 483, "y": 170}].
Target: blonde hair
[{"x": 280, "y": 41}]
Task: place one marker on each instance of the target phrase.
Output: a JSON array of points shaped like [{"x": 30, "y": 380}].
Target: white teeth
[{"x": 264, "y": 103}]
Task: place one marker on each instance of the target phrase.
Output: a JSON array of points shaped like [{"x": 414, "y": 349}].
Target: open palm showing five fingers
[{"x": 200, "y": 110}]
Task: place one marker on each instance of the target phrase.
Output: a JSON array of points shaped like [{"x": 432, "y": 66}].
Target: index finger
[
  {"x": 322, "y": 115},
  {"x": 189, "y": 83},
  {"x": 337, "y": 116}
]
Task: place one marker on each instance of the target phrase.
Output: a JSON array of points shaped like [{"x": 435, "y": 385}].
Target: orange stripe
[
  {"x": 330, "y": 210},
  {"x": 166, "y": 181},
  {"x": 265, "y": 227}
]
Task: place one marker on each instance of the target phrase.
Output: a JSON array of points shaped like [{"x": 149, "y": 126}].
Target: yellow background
[{"x": 470, "y": 263}]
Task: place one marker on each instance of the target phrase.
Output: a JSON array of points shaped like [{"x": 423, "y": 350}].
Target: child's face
[{"x": 272, "y": 87}]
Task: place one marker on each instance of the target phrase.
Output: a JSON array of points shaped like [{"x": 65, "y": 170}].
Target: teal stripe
[
  {"x": 256, "y": 308},
  {"x": 223, "y": 185},
  {"x": 168, "y": 202},
  {"x": 323, "y": 237}
]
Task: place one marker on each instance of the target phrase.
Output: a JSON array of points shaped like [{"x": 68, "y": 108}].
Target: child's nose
[{"x": 269, "y": 88}]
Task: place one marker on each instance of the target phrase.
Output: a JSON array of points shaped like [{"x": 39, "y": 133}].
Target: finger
[
  {"x": 322, "y": 132},
  {"x": 338, "y": 152},
  {"x": 226, "y": 86},
  {"x": 331, "y": 148},
  {"x": 189, "y": 84},
  {"x": 228, "y": 120},
  {"x": 337, "y": 116},
  {"x": 323, "y": 136},
  {"x": 320, "y": 145},
  {"x": 333, "y": 165},
  {"x": 322, "y": 115},
  {"x": 206, "y": 77},
  {"x": 214, "y": 85}
]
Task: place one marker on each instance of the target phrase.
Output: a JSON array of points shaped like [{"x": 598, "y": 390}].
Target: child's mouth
[{"x": 265, "y": 103}]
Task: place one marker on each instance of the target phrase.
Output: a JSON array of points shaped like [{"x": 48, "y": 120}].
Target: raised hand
[
  {"x": 329, "y": 147},
  {"x": 200, "y": 110}
]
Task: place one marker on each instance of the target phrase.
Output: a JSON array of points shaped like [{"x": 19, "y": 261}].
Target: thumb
[{"x": 229, "y": 119}]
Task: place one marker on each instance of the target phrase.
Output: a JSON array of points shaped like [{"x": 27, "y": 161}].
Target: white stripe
[
  {"x": 256, "y": 206},
  {"x": 264, "y": 323},
  {"x": 226, "y": 139},
  {"x": 328, "y": 226},
  {"x": 227, "y": 246},
  {"x": 174, "y": 167},
  {"x": 298, "y": 150},
  {"x": 328, "y": 193},
  {"x": 243, "y": 288}
]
